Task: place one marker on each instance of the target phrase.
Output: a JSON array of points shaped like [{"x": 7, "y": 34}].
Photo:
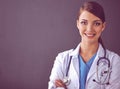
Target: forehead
[{"x": 88, "y": 16}]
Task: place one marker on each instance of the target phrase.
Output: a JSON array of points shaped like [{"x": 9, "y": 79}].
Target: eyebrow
[
  {"x": 98, "y": 20},
  {"x": 84, "y": 19},
  {"x": 93, "y": 21}
]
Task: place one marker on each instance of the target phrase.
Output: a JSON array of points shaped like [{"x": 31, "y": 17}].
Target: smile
[{"x": 89, "y": 35}]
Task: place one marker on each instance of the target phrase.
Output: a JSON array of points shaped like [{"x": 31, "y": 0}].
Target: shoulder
[
  {"x": 62, "y": 56},
  {"x": 112, "y": 54},
  {"x": 62, "y": 59},
  {"x": 114, "y": 57},
  {"x": 65, "y": 53}
]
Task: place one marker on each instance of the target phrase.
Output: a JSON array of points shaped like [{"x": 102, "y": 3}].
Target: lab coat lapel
[
  {"x": 92, "y": 69},
  {"x": 75, "y": 64},
  {"x": 100, "y": 53},
  {"x": 75, "y": 61}
]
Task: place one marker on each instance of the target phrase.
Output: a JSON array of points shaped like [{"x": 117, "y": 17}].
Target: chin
[{"x": 92, "y": 41}]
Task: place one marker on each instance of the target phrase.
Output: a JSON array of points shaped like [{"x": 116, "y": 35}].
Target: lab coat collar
[
  {"x": 75, "y": 53},
  {"x": 100, "y": 52}
]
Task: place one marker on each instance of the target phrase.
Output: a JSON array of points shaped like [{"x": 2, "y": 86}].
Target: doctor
[{"x": 90, "y": 65}]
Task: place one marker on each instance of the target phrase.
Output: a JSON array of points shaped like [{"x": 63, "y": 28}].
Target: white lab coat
[{"x": 61, "y": 63}]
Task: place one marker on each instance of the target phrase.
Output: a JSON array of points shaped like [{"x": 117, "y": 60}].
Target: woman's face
[{"x": 90, "y": 27}]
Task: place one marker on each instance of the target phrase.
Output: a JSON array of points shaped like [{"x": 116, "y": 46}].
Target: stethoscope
[{"x": 103, "y": 71}]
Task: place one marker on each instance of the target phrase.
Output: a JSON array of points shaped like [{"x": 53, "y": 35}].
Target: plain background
[{"x": 33, "y": 32}]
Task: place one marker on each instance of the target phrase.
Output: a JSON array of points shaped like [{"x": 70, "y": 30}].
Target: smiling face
[{"x": 90, "y": 27}]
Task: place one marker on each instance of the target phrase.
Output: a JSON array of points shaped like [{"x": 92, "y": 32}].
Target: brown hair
[{"x": 96, "y": 9}]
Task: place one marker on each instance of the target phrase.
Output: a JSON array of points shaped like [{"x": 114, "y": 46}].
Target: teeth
[{"x": 90, "y": 34}]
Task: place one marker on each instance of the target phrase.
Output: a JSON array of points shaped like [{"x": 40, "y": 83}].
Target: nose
[{"x": 90, "y": 28}]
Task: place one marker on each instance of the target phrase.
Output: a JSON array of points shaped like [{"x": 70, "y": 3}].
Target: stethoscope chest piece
[{"x": 67, "y": 80}]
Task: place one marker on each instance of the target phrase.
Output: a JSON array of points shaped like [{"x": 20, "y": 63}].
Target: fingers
[{"x": 59, "y": 83}]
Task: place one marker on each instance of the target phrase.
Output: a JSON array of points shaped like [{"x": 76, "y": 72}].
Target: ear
[{"x": 104, "y": 25}]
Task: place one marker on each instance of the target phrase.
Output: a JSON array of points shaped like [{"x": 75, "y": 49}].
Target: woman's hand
[{"x": 60, "y": 83}]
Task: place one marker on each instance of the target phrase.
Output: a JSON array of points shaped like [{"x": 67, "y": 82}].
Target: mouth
[{"x": 90, "y": 35}]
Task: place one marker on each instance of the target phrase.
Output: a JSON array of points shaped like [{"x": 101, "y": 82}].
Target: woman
[{"x": 90, "y": 65}]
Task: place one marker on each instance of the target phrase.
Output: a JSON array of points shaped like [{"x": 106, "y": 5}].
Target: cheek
[
  {"x": 99, "y": 31},
  {"x": 82, "y": 29},
  {"x": 81, "y": 32}
]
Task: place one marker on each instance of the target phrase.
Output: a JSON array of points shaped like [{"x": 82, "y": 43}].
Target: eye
[
  {"x": 83, "y": 22},
  {"x": 97, "y": 23}
]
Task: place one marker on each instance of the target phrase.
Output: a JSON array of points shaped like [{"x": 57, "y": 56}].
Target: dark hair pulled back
[{"x": 96, "y": 9}]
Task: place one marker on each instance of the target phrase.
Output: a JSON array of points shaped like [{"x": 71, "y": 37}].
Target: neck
[{"x": 88, "y": 50}]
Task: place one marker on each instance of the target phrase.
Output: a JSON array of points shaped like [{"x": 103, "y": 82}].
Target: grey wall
[{"x": 33, "y": 32}]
